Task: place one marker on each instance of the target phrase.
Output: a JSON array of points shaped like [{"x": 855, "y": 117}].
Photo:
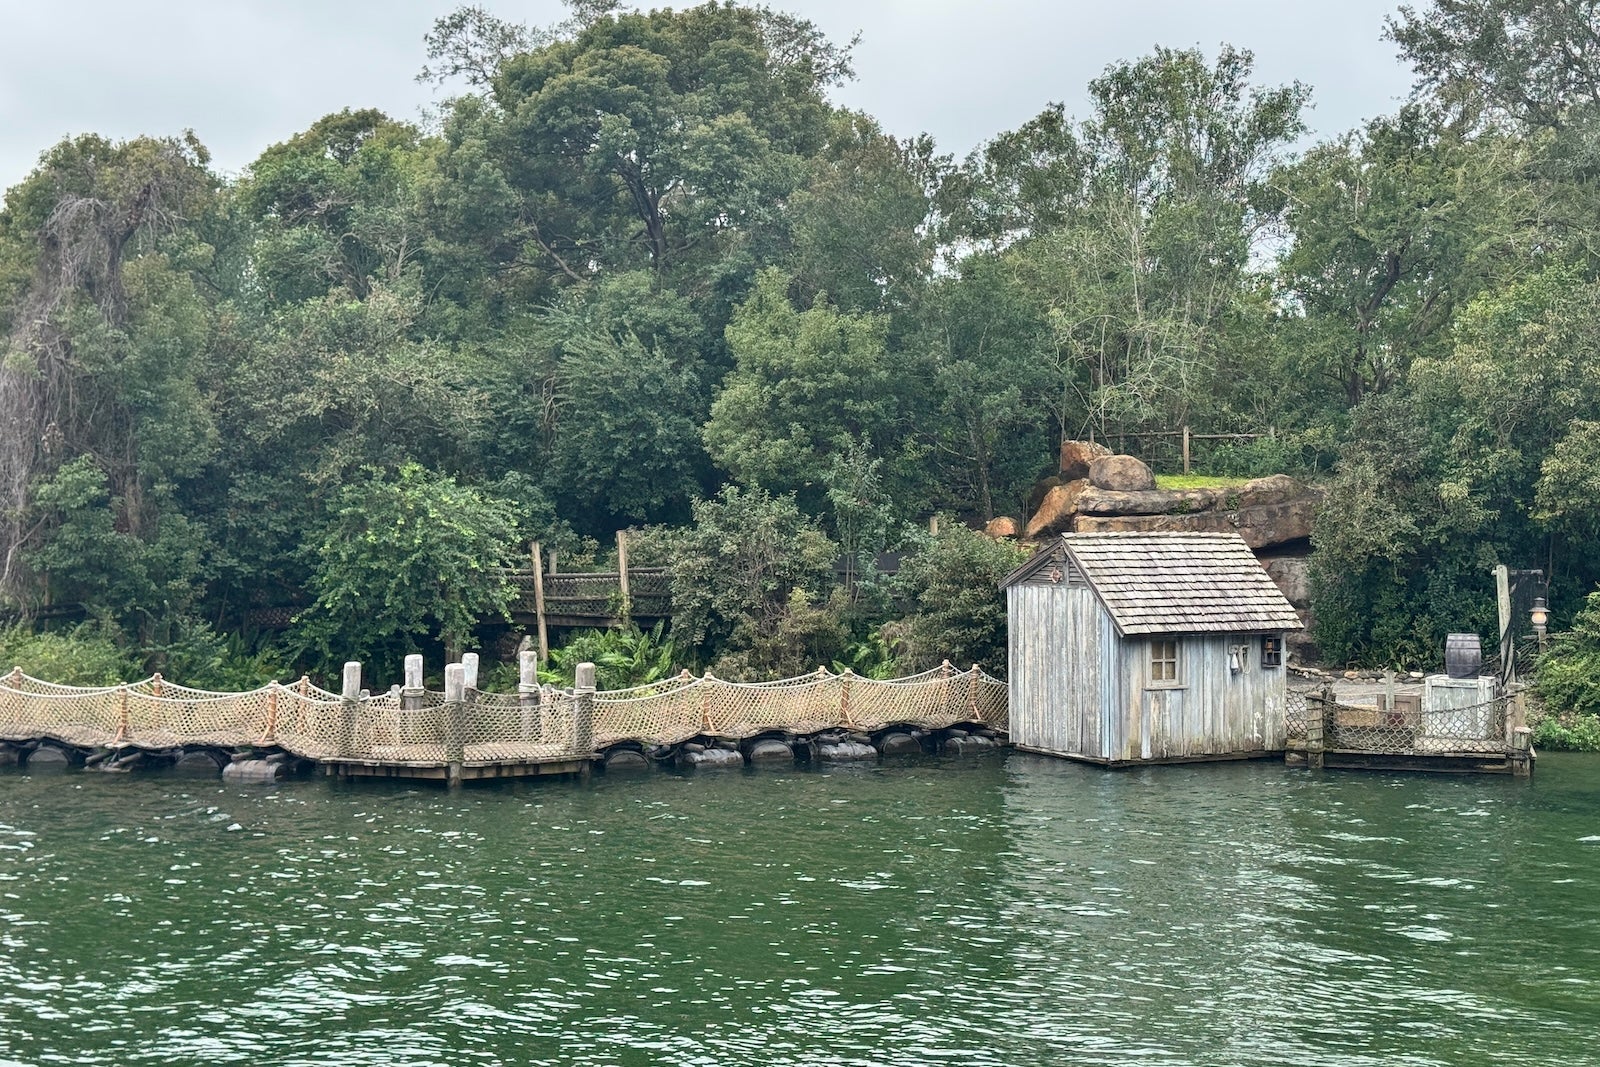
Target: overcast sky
[{"x": 244, "y": 74}]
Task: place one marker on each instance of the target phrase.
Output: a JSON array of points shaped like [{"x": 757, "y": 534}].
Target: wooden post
[
  {"x": 844, "y": 698},
  {"x": 469, "y": 670},
  {"x": 1186, "y": 449},
  {"x": 622, "y": 576},
  {"x": 528, "y": 694},
  {"x": 583, "y": 713},
  {"x": 155, "y": 684},
  {"x": 707, "y": 727},
  {"x": 933, "y": 525},
  {"x": 1316, "y": 728},
  {"x": 1522, "y": 753},
  {"x": 349, "y": 707},
  {"x": 455, "y": 733},
  {"x": 123, "y": 732},
  {"x": 972, "y": 694},
  {"x": 1508, "y": 652},
  {"x": 411, "y": 692},
  {"x": 269, "y": 736},
  {"x": 538, "y": 602}
]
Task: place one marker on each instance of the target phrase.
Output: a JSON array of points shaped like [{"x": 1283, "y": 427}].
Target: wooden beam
[
  {"x": 622, "y": 574},
  {"x": 538, "y": 602}
]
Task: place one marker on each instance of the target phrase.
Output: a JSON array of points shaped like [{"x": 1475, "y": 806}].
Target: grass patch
[{"x": 1197, "y": 481}]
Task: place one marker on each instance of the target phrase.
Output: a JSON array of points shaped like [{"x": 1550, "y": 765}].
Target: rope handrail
[{"x": 424, "y": 727}]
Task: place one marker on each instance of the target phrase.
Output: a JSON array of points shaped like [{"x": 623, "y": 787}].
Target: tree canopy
[{"x": 644, "y": 270}]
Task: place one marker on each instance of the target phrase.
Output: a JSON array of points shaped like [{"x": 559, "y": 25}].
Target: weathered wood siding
[
  {"x": 1211, "y": 711},
  {"x": 1079, "y": 689},
  {"x": 1062, "y": 669}
]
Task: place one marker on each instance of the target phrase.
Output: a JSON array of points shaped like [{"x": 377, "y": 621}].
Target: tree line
[{"x": 641, "y": 271}]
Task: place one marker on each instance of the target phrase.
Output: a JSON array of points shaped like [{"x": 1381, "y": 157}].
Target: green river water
[{"x": 1008, "y": 910}]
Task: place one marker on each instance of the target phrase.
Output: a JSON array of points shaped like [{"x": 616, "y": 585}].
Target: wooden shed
[{"x": 1132, "y": 648}]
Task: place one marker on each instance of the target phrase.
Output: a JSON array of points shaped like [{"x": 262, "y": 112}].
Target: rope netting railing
[
  {"x": 537, "y": 723},
  {"x": 687, "y": 706}
]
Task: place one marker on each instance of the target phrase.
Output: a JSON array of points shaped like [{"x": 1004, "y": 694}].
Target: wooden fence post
[
  {"x": 269, "y": 735},
  {"x": 583, "y": 713},
  {"x": 411, "y": 691},
  {"x": 349, "y": 707},
  {"x": 1316, "y": 728},
  {"x": 123, "y": 732},
  {"x": 844, "y": 696},
  {"x": 538, "y": 602},
  {"x": 529, "y": 694},
  {"x": 455, "y": 733},
  {"x": 707, "y": 727},
  {"x": 622, "y": 576},
  {"x": 1186, "y": 448}
]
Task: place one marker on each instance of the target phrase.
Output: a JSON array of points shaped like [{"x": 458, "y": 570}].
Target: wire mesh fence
[{"x": 1403, "y": 728}]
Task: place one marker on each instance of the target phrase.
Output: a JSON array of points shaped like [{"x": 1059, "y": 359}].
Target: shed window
[
  {"x": 1271, "y": 652},
  {"x": 1163, "y": 661}
]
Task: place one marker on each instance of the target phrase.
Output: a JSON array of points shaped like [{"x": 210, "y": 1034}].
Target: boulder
[
  {"x": 1292, "y": 575},
  {"x": 1002, "y": 526},
  {"x": 1076, "y": 457},
  {"x": 1261, "y": 527},
  {"x": 1276, "y": 489},
  {"x": 1056, "y": 511},
  {"x": 1040, "y": 489},
  {"x": 1145, "y": 502},
  {"x": 1122, "y": 473}
]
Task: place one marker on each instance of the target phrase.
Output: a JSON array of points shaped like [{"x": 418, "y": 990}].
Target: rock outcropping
[{"x": 1119, "y": 494}]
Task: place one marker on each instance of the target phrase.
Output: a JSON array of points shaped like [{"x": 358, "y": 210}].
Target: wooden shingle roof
[{"x": 1161, "y": 583}]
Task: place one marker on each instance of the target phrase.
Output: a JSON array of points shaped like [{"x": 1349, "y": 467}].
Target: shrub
[
  {"x": 85, "y": 655},
  {"x": 952, "y": 581},
  {"x": 1567, "y": 677},
  {"x": 621, "y": 658},
  {"x": 735, "y": 570}
]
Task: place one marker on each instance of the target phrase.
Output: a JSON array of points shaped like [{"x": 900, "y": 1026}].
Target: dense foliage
[{"x": 644, "y": 272}]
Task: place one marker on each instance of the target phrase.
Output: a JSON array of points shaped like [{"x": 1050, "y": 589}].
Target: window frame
[
  {"x": 1172, "y": 663},
  {"x": 1271, "y": 652}
]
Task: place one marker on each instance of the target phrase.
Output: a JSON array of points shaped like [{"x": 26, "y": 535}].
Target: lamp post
[{"x": 1541, "y": 616}]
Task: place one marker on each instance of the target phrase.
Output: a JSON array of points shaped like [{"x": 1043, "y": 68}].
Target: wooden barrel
[{"x": 1463, "y": 655}]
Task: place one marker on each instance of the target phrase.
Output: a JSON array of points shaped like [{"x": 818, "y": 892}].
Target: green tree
[
  {"x": 736, "y": 568},
  {"x": 404, "y": 557},
  {"x": 806, "y": 386},
  {"x": 958, "y": 613},
  {"x": 1392, "y": 230},
  {"x": 1534, "y": 61}
]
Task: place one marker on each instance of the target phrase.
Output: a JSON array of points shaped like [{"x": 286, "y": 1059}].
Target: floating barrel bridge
[{"x": 461, "y": 733}]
